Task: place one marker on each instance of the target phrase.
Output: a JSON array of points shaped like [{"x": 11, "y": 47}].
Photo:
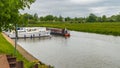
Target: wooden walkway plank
[{"x": 3, "y": 62}]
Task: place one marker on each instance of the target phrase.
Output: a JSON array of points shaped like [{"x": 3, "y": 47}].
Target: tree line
[{"x": 91, "y": 18}]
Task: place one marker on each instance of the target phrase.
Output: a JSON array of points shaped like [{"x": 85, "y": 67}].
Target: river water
[{"x": 81, "y": 50}]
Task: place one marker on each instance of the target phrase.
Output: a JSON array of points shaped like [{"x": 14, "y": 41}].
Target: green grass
[
  {"x": 101, "y": 28},
  {"x": 7, "y": 48}
]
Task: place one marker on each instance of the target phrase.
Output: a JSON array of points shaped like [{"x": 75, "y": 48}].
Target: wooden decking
[
  {"x": 8, "y": 61},
  {"x": 4, "y": 62}
]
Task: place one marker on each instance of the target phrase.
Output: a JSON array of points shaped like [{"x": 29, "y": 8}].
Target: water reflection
[{"x": 81, "y": 50}]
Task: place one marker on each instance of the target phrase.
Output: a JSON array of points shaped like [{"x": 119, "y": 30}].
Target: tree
[
  {"x": 49, "y": 18},
  {"x": 118, "y": 18},
  {"x": 104, "y": 18},
  {"x": 60, "y": 18},
  {"x": 67, "y": 19},
  {"x": 99, "y": 19},
  {"x": 23, "y": 19},
  {"x": 9, "y": 11},
  {"x": 41, "y": 18},
  {"x": 28, "y": 16},
  {"x": 36, "y": 17},
  {"x": 92, "y": 18},
  {"x": 114, "y": 18},
  {"x": 56, "y": 18}
]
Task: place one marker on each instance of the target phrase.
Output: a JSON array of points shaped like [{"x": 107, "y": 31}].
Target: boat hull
[{"x": 61, "y": 32}]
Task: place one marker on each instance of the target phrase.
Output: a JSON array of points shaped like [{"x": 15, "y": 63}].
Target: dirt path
[{"x": 20, "y": 49}]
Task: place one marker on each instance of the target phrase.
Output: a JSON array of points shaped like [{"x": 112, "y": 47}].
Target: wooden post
[
  {"x": 35, "y": 66},
  {"x": 20, "y": 64}
]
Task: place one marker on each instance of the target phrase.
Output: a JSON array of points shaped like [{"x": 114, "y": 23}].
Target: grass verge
[{"x": 7, "y": 48}]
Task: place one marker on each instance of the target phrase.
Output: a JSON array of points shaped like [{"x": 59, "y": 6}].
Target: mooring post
[{"x": 24, "y": 36}]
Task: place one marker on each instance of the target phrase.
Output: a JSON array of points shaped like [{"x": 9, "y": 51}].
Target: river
[{"x": 81, "y": 50}]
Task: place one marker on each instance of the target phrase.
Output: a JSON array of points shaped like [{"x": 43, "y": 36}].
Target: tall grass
[{"x": 101, "y": 28}]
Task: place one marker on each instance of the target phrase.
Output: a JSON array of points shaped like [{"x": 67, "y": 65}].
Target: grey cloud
[{"x": 67, "y": 8}]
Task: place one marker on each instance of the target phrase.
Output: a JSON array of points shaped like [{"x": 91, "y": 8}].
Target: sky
[{"x": 74, "y": 8}]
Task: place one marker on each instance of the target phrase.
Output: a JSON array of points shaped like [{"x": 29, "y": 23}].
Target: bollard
[
  {"x": 24, "y": 36},
  {"x": 39, "y": 35},
  {"x": 31, "y": 36}
]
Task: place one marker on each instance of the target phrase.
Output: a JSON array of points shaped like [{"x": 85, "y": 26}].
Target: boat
[
  {"x": 29, "y": 32},
  {"x": 57, "y": 31}
]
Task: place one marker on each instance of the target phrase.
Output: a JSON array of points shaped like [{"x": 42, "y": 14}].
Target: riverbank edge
[{"x": 22, "y": 51}]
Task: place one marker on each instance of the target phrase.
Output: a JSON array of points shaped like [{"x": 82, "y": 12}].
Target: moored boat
[
  {"x": 29, "y": 32},
  {"x": 56, "y": 31}
]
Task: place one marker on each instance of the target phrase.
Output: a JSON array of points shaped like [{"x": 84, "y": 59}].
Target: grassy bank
[
  {"x": 101, "y": 28},
  {"x": 7, "y": 48}
]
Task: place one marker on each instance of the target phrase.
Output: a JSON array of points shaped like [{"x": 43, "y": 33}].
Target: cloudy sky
[{"x": 74, "y": 8}]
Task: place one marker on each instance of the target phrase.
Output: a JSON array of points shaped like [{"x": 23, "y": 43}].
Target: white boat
[{"x": 29, "y": 32}]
